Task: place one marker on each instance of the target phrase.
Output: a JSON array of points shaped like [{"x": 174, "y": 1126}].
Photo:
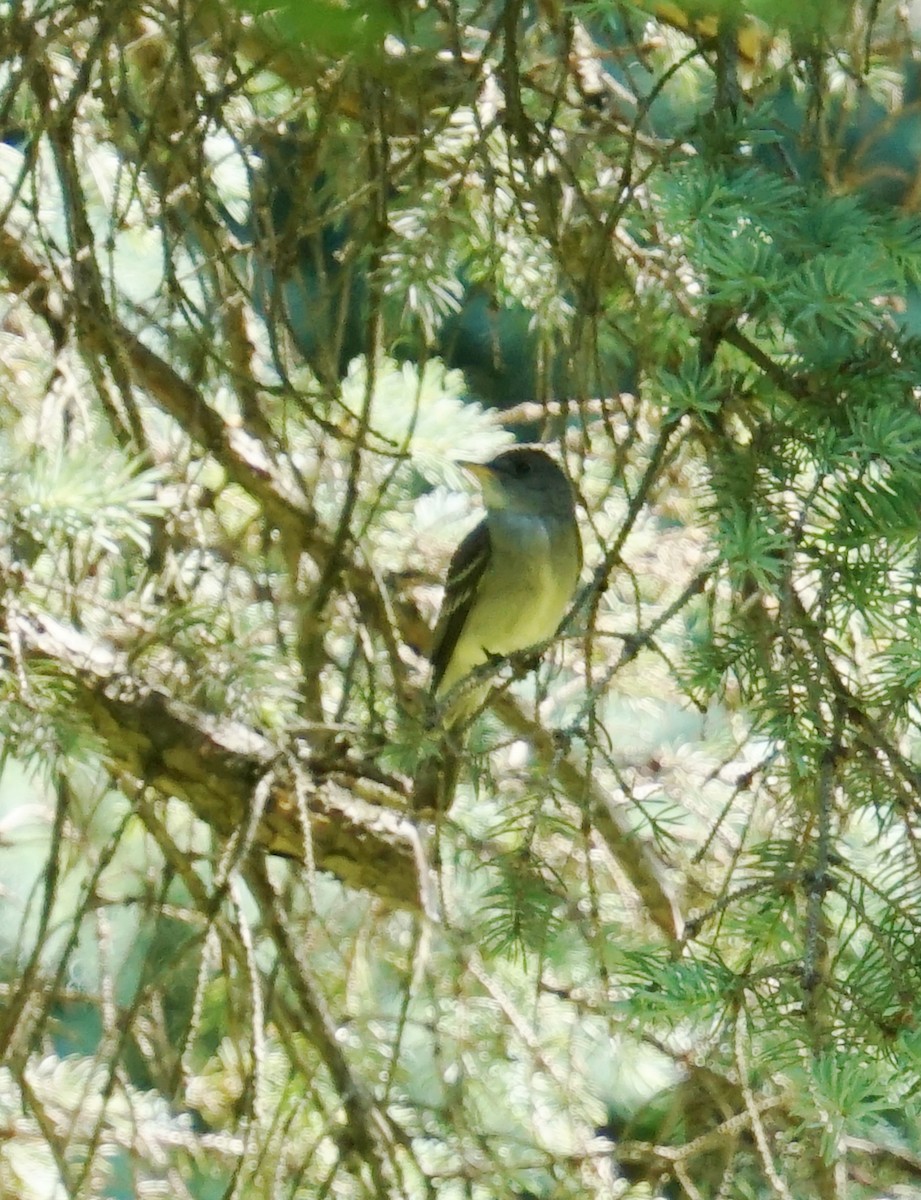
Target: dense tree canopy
[{"x": 269, "y": 272}]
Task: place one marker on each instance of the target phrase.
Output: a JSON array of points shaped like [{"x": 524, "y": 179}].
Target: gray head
[{"x": 524, "y": 480}]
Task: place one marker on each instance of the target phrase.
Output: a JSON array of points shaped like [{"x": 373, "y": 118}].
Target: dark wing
[{"x": 467, "y": 566}]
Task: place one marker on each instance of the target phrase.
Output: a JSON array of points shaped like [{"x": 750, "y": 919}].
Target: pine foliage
[{"x": 269, "y": 273}]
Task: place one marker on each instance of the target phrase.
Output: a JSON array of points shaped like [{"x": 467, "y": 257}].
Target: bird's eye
[{"x": 522, "y": 467}]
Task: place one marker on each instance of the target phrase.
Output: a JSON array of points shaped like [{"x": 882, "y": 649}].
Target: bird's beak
[
  {"x": 480, "y": 471},
  {"x": 486, "y": 477}
]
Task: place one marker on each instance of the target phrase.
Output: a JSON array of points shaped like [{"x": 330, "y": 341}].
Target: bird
[{"x": 512, "y": 578}]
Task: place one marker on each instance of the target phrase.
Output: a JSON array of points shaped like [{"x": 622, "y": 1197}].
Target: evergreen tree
[{"x": 268, "y": 273}]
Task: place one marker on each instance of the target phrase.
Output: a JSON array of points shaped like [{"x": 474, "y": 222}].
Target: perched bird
[{"x": 513, "y": 577}]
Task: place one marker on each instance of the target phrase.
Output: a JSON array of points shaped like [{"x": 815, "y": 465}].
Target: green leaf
[{"x": 355, "y": 27}]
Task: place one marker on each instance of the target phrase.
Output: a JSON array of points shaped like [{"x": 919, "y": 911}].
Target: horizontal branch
[{"x": 215, "y": 766}]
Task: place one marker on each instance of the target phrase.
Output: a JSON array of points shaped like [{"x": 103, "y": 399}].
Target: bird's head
[{"x": 524, "y": 480}]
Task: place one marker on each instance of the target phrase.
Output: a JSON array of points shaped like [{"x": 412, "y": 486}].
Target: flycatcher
[{"x": 512, "y": 578}]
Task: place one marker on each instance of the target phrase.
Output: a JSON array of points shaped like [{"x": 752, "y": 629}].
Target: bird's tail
[{"x": 436, "y": 779}]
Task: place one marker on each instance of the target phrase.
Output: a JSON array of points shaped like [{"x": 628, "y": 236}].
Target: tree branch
[
  {"x": 215, "y": 765},
  {"x": 611, "y": 821}
]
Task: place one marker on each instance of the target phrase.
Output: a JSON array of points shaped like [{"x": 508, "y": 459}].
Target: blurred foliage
[{"x": 270, "y": 272}]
